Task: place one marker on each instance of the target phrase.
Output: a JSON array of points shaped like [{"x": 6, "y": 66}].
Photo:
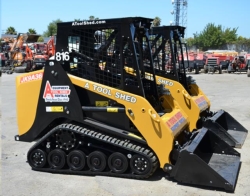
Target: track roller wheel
[
  {"x": 76, "y": 160},
  {"x": 97, "y": 161},
  {"x": 140, "y": 164},
  {"x": 57, "y": 159},
  {"x": 118, "y": 162},
  {"x": 37, "y": 158}
]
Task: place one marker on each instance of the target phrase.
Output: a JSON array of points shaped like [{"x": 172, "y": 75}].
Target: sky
[{"x": 25, "y": 14}]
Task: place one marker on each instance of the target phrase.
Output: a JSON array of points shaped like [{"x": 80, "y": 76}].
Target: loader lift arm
[{"x": 191, "y": 98}]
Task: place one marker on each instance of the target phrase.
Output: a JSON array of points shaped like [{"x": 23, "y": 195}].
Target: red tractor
[{"x": 239, "y": 64}]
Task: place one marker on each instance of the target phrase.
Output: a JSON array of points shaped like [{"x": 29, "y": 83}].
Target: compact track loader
[
  {"x": 95, "y": 111},
  {"x": 170, "y": 70}
]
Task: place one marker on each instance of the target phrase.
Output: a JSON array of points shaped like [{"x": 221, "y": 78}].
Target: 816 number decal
[{"x": 62, "y": 56}]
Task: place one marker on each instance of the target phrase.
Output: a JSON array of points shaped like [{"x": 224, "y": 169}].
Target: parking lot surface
[{"x": 230, "y": 92}]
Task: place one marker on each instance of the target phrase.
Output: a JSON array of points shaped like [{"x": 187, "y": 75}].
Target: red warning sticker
[{"x": 56, "y": 93}]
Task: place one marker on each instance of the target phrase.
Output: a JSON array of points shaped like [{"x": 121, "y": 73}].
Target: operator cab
[{"x": 103, "y": 51}]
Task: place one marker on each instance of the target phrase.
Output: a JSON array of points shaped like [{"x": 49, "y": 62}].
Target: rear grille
[{"x": 212, "y": 62}]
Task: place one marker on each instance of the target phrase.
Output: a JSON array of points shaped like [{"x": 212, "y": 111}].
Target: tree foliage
[
  {"x": 52, "y": 28},
  {"x": 11, "y": 30},
  {"x": 157, "y": 21},
  {"x": 213, "y": 37},
  {"x": 229, "y": 35},
  {"x": 243, "y": 41},
  {"x": 31, "y": 31},
  {"x": 93, "y": 18},
  {"x": 40, "y": 39}
]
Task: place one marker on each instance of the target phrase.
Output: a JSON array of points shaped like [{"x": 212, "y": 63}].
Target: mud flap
[
  {"x": 207, "y": 161},
  {"x": 227, "y": 128}
]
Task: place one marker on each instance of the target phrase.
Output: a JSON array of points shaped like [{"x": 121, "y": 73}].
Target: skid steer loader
[
  {"x": 90, "y": 116},
  {"x": 170, "y": 70}
]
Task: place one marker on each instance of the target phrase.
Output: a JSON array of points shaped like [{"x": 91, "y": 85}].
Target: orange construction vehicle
[
  {"x": 39, "y": 46},
  {"x": 51, "y": 46},
  {"x": 26, "y": 60},
  {"x": 18, "y": 48},
  {"x": 43, "y": 53}
]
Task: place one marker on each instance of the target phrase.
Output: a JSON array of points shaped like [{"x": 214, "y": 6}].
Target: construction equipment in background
[
  {"x": 185, "y": 90},
  {"x": 42, "y": 53},
  {"x": 248, "y": 64},
  {"x": 1, "y": 55},
  {"x": 212, "y": 64},
  {"x": 51, "y": 46},
  {"x": 108, "y": 116},
  {"x": 26, "y": 60},
  {"x": 45, "y": 48},
  {"x": 196, "y": 61},
  {"x": 239, "y": 64},
  {"x": 232, "y": 53},
  {"x": 199, "y": 62},
  {"x": 2, "y": 59},
  {"x": 17, "y": 56},
  {"x": 40, "y": 47},
  {"x": 4, "y": 48},
  {"x": 39, "y": 61},
  {"x": 218, "y": 60}
]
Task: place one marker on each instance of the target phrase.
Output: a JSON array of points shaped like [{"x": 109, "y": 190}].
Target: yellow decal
[
  {"x": 101, "y": 103},
  {"x": 54, "y": 108},
  {"x": 112, "y": 109}
]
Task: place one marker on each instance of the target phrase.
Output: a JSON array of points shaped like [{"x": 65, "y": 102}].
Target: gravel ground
[{"x": 230, "y": 92}]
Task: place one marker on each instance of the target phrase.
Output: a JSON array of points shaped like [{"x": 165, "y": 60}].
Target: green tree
[
  {"x": 40, "y": 39},
  {"x": 242, "y": 41},
  {"x": 190, "y": 41},
  {"x": 31, "y": 31},
  {"x": 213, "y": 37},
  {"x": 157, "y": 21},
  {"x": 229, "y": 35},
  {"x": 52, "y": 28},
  {"x": 93, "y": 18},
  {"x": 77, "y": 20},
  {"x": 11, "y": 30}
]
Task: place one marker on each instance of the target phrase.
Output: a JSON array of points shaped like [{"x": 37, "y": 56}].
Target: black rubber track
[{"x": 130, "y": 147}]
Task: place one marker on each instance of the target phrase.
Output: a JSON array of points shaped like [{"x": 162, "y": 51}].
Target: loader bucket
[
  {"x": 207, "y": 161},
  {"x": 227, "y": 128}
]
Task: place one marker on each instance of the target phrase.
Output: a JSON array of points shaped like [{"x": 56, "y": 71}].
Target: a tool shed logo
[{"x": 56, "y": 93}]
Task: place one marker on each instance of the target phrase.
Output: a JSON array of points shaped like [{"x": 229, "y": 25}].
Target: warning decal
[
  {"x": 201, "y": 102},
  {"x": 56, "y": 93},
  {"x": 54, "y": 108},
  {"x": 176, "y": 121}
]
